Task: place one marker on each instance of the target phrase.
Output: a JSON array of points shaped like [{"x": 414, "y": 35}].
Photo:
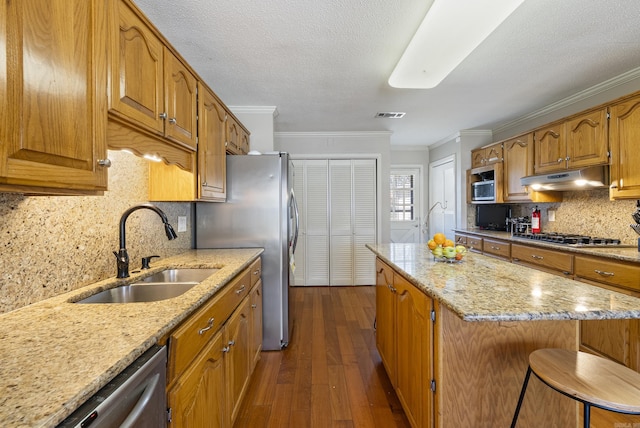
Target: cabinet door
[
  {"x": 414, "y": 338},
  {"x": 609, "y": 338},
  {"x": 197, "y": 399},
  {"x": 477, "y": 158},
  {"x": 212, "y": 175},
  {"x": 624, "y": 134},
  {"x": 244, "y": 142},
  {"x": 493, "y": 154},
  {"x": 237, "y": 358},
  {"x": 52, "y": 80},
  {"x": 233, "y": 136},
  {"x": 180, "y": 102},
  {"x": 587, "y": 142},
  {"x": 256, "y": 324},
  {"x": 386, "y": 318},
  {"x": 136, "y": 83},
  {"x": 518, "y": 163},
  {"x": 550, "y": 148}
]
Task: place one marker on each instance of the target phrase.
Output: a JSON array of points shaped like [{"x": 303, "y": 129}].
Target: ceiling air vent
[{"x": 390, "y": 114}]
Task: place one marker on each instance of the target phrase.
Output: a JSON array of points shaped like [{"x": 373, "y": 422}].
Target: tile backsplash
[
  {"x": 54, "y": 244},
  {"x": 588, "y": 212}
]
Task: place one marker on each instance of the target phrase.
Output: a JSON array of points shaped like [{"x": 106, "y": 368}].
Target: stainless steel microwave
[{"x": 483, "y": 190}]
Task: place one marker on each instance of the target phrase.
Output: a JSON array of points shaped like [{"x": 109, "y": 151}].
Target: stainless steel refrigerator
[{"x": 260, "y": 211}]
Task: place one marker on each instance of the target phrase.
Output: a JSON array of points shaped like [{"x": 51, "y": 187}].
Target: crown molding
[
  {"x": 568, "y": 101},
  {"x": 273, "y": 110},
  {"x": 332, "y": 134}
]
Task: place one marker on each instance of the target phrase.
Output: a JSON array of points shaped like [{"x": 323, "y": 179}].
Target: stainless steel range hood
[{"x": 578, "y": 179}]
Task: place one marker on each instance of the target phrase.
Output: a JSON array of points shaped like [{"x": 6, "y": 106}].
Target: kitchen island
[
  {"x": 469, "y": 354},
  {"x": 56, "y": 353}
]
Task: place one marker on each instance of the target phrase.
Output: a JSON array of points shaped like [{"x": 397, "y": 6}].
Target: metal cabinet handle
[
  {"x": 162, "y": 115},
  {"x": 104, "y": 162},
  {"x": 560, "y": 160},
  {"x": 231, "y": 343},
  {"x": 254, "y": 306},
  {"x": 172, "y": 121},
  {"x": 226, "y": 349},
  {"x": 604, "y": 273},
  {"x": 537, "y": 257},
  {"x": 256, "y": 272},
  {"x": 240, "y": 290},
  {"x": 495, "y": 248},
  {"x": 208, "y": 327}
]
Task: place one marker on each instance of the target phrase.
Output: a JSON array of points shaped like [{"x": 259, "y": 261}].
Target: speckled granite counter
[
  {"x": 624, "y": 253},
  {"x": 56, "y": 354},
  {"x": 483, "y": 288}
]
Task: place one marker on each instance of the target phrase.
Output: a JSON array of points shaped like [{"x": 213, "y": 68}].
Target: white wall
[
  {"x": 259, "y": 121},
  {"x": 365, "y": 144}
]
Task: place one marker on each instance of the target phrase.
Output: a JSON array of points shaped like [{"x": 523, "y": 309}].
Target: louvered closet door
[
  {"x": 364, "y": 221},
  {"x": 316, "y": 222},
  {"x": 341, "y": 195},
  {"x": 300, "y": 254}
]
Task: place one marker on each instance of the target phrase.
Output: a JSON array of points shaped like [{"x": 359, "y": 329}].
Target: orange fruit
[
  {"x": 432, "y": 244},
  {"x": 439, "y": 238},
  {"x": 448, "y": 243}
]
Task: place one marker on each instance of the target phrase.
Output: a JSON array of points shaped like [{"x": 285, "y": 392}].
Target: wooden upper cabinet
[
  {"x": 550, "y": 148},
  {"x": 486, "y": 155},
  {"x": 52, "y": 80},
  {"x": 624, "y": 134},
  {"x": 150, "y": 88},
  {"x": 211, "y": 150},
  {"x": 233, "y": 136},
  {"x": 136, "y": 74},
  {"x": 180, "y": 102},
  {"x": 587, "y": 142},
  {"x": 518, "y": 163}
]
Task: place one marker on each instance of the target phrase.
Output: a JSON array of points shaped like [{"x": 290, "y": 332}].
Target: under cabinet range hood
[{"x": 578, "y": 179}]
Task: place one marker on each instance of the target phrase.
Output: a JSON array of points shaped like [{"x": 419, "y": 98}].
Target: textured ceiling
[{"x": 324, "y": 64}]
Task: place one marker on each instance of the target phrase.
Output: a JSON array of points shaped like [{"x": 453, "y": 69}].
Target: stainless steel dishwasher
[{"x": 134, "y": 398}]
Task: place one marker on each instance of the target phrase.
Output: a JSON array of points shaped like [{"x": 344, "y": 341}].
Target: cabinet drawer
[
  {"x": 461, "y": 240},
  {"x": 474, "y": 244},
  {"x": 497, "y": 247},
  {"x": 547, "y": 259},
  {"x": 188, "y": 340},
  {"x": 608, "y": 272},
  {"x": 256, "y": 271}
]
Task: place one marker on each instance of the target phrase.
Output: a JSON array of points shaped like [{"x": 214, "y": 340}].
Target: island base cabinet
[{"x": 480, "y": 367}]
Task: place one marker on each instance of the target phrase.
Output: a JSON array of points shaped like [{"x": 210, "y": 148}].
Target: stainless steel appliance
[
  {"x": 483, "y": 190},
  {"x": 260, "y": 211},
  {"x": 134, "y": 398}
]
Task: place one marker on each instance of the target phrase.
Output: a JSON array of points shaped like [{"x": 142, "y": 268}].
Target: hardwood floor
[{"x": 331, "y": 374}]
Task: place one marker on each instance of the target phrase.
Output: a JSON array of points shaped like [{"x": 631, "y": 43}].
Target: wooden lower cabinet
[
  {"x": 237, "y": 357},
  {"x": 556, "y": 262},
  {"x": 197, "y": 399},
  {"x": 212, "y": 355},
  {"x": 497, "y": 247},
  {"x": 403, "y": 338}
]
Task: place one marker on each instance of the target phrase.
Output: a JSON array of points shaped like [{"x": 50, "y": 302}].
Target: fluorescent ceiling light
[{"x": 450, "y": 31}]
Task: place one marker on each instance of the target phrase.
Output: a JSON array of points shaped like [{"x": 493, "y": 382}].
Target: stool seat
[{"x": 590, "y": 378}]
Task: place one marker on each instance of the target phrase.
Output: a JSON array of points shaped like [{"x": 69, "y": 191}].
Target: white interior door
[
  {"x": 406, "y": 206},
  {"x": 441, "y": 216}
]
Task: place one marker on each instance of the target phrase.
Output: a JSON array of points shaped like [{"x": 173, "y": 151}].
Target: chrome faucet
[{"x": 122, "y": 258}]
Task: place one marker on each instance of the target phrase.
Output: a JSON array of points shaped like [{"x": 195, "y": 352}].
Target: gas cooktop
[{"x": 570, "y": 239}]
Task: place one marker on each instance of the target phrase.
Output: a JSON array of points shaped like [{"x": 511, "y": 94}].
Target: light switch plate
[
  {"x": 182, "y": 223},
  {"x": 552, "y": 214}
]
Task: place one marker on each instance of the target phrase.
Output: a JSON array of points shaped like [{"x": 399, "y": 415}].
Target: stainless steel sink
[
  {"x": 180, "y": 275},
  {"x": 159, "y": 286}
]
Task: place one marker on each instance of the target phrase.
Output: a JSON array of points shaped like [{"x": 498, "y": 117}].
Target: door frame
[{"x": 421, "y": 195}]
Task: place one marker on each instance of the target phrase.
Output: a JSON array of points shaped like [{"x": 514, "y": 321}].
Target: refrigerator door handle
[{"x": 294, "y": 202}]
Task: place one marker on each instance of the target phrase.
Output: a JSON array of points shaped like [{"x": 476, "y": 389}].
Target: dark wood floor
[{"x": 331, "y": 374}]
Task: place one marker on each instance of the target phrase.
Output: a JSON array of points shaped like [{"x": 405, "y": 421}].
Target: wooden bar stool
[{"x": 592, "y": 380}]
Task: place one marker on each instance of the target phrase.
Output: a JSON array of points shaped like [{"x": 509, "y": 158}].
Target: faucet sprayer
[{"x": 122, "y": 257}]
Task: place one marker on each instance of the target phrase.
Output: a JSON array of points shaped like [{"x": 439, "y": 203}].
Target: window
[{"x": 402, "y": 197}]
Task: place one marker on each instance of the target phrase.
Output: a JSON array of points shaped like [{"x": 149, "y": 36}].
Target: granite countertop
[
  {"x": 628, "y": 253},
  {"x": 483, "y": 288},
  {"x": 56, "y": 354}
]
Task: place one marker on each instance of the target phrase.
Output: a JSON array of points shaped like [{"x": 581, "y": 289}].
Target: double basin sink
[{"x": 162, "y": 285}]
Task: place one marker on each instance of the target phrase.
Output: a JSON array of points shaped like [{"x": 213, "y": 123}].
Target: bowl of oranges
[{"x": 445, "y": 250}]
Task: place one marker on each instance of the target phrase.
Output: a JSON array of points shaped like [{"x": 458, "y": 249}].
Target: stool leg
[
  {"x": 521, "y": 398},
  {"x": 586, "y": 415}
]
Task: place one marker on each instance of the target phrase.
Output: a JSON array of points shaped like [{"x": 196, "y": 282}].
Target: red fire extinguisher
[{"x": 535, "y": 220}]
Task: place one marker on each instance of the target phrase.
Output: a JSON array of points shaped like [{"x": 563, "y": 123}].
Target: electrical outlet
[
  {"x": 552, "y": 214},
  {"x": 182, "y": 223}
]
